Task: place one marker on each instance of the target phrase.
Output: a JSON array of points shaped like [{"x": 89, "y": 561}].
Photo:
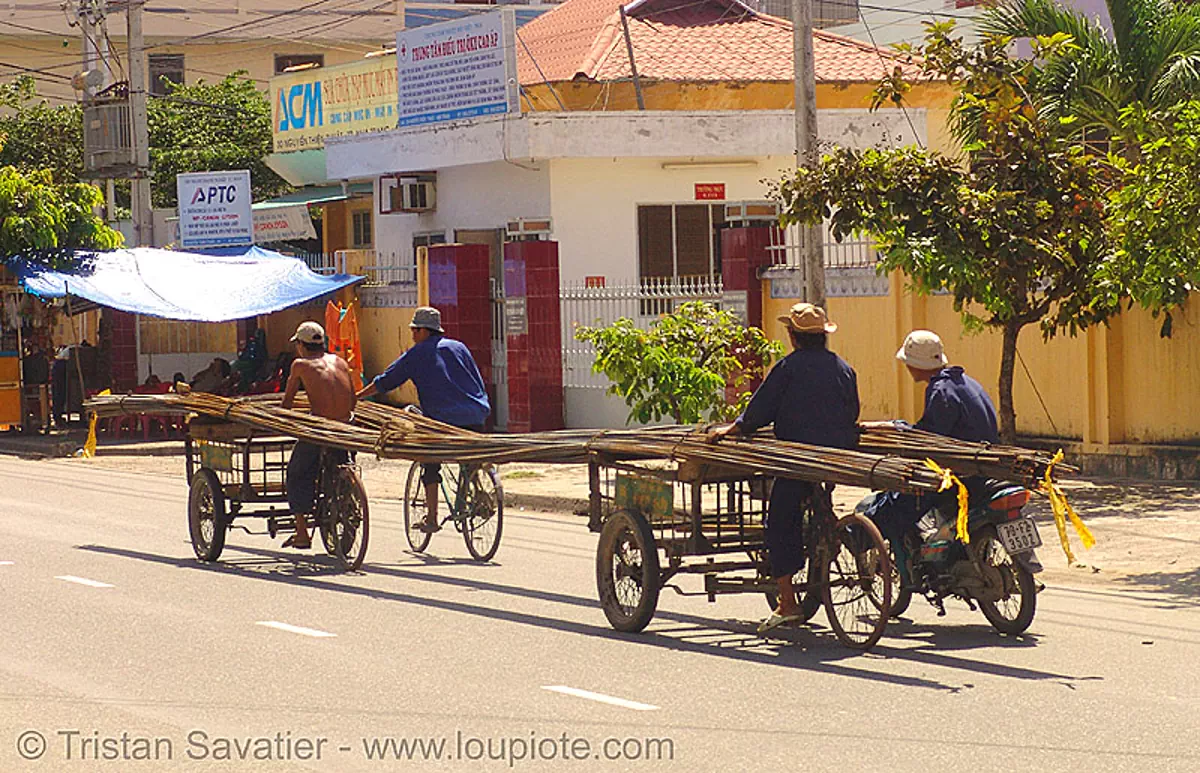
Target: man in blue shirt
[
  {"x": 449, "y": 386},
  {"x": 811, "y": 396},
  {"x": 956, "y": 406}
]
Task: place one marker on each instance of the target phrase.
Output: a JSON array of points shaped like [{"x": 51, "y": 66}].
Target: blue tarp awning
[{"x": 185, "y": 285}]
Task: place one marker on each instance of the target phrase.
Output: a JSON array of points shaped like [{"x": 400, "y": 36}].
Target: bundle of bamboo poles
[
  {"x": 392, "y": 433},
  {"x": 1021, "y": 465}
]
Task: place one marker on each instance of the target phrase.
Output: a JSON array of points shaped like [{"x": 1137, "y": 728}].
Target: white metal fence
[
  {"x": 788, "y": 243},
  {"x": 641, "y": 302}
]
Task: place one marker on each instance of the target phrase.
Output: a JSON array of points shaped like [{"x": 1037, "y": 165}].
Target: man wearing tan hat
[
  {"x": 326, "y": 381},
  {"x": 811, "y": 396}
]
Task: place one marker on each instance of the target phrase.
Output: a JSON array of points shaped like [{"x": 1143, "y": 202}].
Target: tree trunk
[{"x": 1008, "y": 361}]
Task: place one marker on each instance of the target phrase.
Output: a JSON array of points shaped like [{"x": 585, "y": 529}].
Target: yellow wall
[
  {"x": 202, "y": 60},
  {"x": 1118, "y": 385},
  {"x": 764, "y": 95}
]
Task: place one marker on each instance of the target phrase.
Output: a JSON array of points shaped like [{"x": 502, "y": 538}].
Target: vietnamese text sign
[
  {"x": 458, "y": 69},
  {"x": 277, "y": 224},
  {"x": 331, "y": 102},
  {"x": 214, "y": 209},
  {"x": 710, "y": 191}
]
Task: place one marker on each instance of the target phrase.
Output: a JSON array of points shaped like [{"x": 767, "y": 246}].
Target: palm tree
[{"x": 1152, "y": 57}]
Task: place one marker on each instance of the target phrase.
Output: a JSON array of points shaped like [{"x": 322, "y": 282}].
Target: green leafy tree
[
  {"x": 681, "y": 367},
  {"x": 1155, "y": 214},
  {"x": 1151, "y": 58},
  {"x": 1015, "y": 229},
  {"x": 212, "y": 127},
  {"x": 43, "y": 221},
  {"x": 198, "y": 128},
  {"x": 38, "y": 135}
]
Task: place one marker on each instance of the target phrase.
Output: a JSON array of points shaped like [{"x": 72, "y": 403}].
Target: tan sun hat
[
  {"x": 807, "y": 318},
  {"x": 923, "y": 350},
  {"x": 309, "y": 333}
]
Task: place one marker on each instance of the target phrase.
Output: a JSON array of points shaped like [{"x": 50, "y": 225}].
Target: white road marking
[
  {"x": 601, "y": 698},
  {"x": 83, "y": 581},
  {"x": 296, "y": 629}
]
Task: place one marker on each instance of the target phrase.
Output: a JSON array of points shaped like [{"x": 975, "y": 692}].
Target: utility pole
[
  {"x": 811, "y": 247},
  {"x": 637, "y": 82},
  {"x": 93, "y": 61},
  {"x": 143, "y": 215}
]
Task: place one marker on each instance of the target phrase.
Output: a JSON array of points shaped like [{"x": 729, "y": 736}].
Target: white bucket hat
[{"x": 923, "y": 350}]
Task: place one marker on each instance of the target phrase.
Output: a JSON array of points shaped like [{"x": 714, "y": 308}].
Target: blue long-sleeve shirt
[
  {"x": 958, "y": 406},
  {"x": 447, "y": 380},
  {"x": 811, "y": 396}
]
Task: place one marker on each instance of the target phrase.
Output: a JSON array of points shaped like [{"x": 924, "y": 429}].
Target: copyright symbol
[{"x": 31, "y": 745}]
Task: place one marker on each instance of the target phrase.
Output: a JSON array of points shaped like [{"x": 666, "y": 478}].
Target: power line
[{"x": 907, "y": 117}]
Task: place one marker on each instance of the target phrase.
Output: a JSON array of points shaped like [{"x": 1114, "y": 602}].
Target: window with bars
[
  {"x": 679, "y": 240},
  {"x": 164, "y": 68},
  {"x": 361, "y": 236}
]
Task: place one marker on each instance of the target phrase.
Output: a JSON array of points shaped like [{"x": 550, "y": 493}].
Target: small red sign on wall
[{"x": 710, "y": 191}]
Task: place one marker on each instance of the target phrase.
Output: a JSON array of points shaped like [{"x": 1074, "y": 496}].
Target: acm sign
[{"x": 311, "y": 105}]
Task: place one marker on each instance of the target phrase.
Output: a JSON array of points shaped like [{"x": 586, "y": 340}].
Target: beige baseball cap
[
  {"x": 807, "y": 318},
  {"x": 309, "y": 333},
  {"x": 923, "y": 350}
]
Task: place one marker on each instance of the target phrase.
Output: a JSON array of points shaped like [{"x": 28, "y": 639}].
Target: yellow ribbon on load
[
  {"x": 1063, "y": 511},
  {"x": 949, "y": 479}
]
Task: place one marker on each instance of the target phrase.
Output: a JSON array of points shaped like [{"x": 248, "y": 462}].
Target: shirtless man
[{"x": 326, "y": 381}]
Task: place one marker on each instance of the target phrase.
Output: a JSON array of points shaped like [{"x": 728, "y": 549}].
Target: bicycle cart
[
  {"x": 659, "y": 521},
  {"x": 233, "y": 474}
]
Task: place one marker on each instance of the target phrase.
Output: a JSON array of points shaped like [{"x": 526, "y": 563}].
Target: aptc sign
[
  {"x": 214, "y": 209},
  {"x": 458, "y": 69},
  {"x": 312, "y": 105}
]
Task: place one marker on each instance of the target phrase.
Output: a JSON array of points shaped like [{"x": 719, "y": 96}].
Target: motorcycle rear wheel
[{"x": 1014, "y": 613}]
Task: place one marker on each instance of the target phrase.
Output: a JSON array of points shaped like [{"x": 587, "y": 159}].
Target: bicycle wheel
[
  {"x": 415, "y": 510},
  {"x": 206, "y": 515},
  {"x": 901, "y": 596},
  {"x": 1013, "y": 612},
  {"x": 349, "y": 519},
  {"x": 858, "y": 583},
  {"x": 627, "y": 574},
  {"x": 483, "y": 516}
]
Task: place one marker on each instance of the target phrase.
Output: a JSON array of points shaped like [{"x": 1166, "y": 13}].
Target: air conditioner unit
[
  {"x": 529, "y": 228},
  {"x": 411, "y": 194}
]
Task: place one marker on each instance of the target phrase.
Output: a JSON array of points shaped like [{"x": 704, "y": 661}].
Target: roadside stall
[{"x": 26, "y": 346}]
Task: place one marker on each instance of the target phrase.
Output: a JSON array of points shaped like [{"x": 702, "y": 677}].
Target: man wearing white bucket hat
[
  {"x": 811, "y": 396},
  {"x": 956, "y": 405}
]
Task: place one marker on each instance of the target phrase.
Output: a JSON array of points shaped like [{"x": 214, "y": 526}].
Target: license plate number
[{"x": 1019, "y": 536}]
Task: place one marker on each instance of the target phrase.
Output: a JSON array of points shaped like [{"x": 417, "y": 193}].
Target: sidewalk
[{"x": 65, "y": 444}]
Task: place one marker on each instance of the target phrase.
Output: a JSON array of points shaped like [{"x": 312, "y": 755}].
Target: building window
[
  {"x": 679, "y": 240},
  {"x": 163, "y": 68},
  {"x": 362, "y": 238},
  {"x": 428, "y": 239},
  {"x": 285, "y": 62}
]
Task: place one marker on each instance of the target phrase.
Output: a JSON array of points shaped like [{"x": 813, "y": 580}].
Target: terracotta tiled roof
[{"x": 683, "y": 40}]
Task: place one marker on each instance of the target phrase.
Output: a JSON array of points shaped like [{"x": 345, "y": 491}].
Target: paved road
[{"x": 111, "y": 627}]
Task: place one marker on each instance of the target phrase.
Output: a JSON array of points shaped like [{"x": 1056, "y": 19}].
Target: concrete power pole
[
  {"x": 143, "y": 214},
  {"x": 812, "y": 250}
]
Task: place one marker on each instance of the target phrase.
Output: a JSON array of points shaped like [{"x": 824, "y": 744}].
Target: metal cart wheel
[
  {"x": 484, "y": 516},
  {"x": 206, "y": 515},
  {"x": 415, "y": 510},
  {"x": 349, "y": 518},
  {"x": 858, "y": 582},
  {"x": 1013, "y": 613},
  {"x": 627, "y": 571}
]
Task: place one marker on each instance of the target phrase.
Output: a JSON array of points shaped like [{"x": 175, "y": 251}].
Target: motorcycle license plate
[{"x": 1019, "y": 536}]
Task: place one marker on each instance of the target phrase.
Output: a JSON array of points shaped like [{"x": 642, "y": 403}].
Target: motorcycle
[{"x": 995, "y": 569}]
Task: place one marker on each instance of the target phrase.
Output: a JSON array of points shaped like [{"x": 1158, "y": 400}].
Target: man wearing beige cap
[
  {"x": 956, "y": 406},
  {"x": 330, "y": 392},
  {"x": 811, "y": 396}
]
